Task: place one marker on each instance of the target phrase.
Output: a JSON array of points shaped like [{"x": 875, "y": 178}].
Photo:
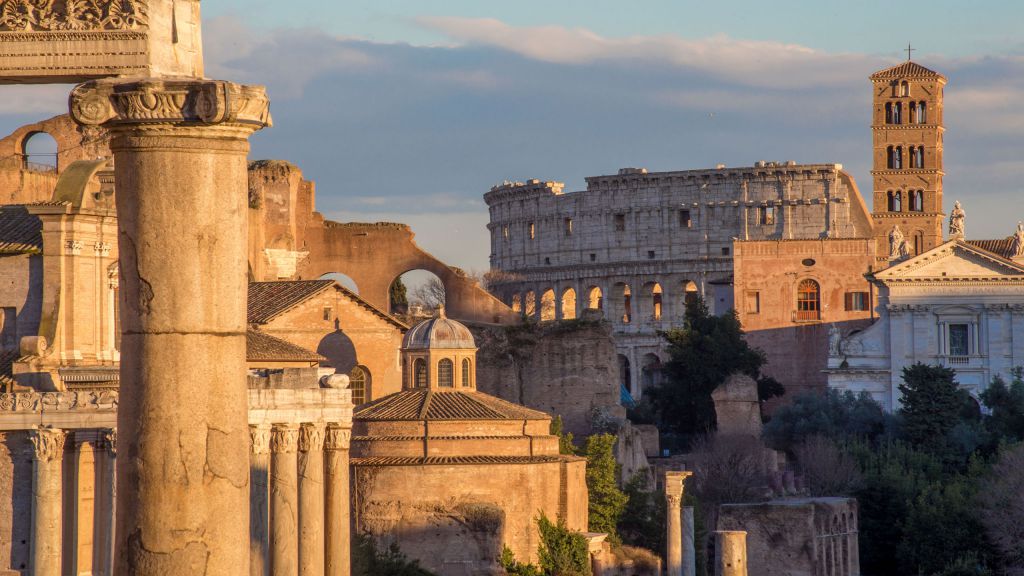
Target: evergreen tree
[
  {"x": 399, "y": 296},
  {"x": 607, "y": 502},
  {"x": 932, "y": 405}
]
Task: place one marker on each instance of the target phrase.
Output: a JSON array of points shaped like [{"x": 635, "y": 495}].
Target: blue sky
[{"x": 409, "y": 111}]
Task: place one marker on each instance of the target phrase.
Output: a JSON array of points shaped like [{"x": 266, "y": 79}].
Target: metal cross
[{"x": 909, "y": 50}]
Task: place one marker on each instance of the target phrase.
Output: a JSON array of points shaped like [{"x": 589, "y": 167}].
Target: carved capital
[
  {"x": 102, "y": 249},
  {"x": 338, "y": 438},
  {"x": 35, "y": 16},
  {"x": 73, "y": 247},
  {"x": 674, "y": 500},
  {"x": 259, "y": 436},
  {"x": 311, "y": 437},
  {"x": 48, "y": 443},
  {"x": 110, "y": 441},
  {"x": 284, "y": 438},
  {"x": 131, "y": 102}
]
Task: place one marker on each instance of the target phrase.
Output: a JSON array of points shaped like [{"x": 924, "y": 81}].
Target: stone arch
[
  {"x": 650, "y": 371},
  {"x": 343, "y": 280},
  {"x": 595, "y": 298},
  {"x": 622, "y": 303},
  {"x": 651, "y": 304},
  {"x": 625, "y": 372},
  {"x": 424, "y": 288},
  {"x": 39, "y": 152},
  {"x": 568, "y": 304},
  {"x": 690, "y": 294},
  {"x": 517, "y": 303},
  {"x": 530, "y": 304},
  {"x": 548, "y": 311}
]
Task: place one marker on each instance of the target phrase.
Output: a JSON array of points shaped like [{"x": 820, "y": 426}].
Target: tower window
[
  {"x": 897, "y": 113},
  {"x": 895, "y": 201},
  {"x": 684, "y": 219},
  {"x": 420, "y": 373},
  {"x": 922, "y": 115},
  {"x": 620, "y": 222},
  {"x": 895, "y": 157},
  {"x": 904, "y": 89},
  {"x": 466, "y": 370},
  {"x": 445, "y": 374},
  {"x": 916, "y": 200},
  {"x": 808, "y": 301},
  {"x": 888, "y": 112}
]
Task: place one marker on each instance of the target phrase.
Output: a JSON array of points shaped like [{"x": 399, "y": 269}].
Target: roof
[
  {"x": 423, "y": 404},
  {"x": 20, "y": 232},
  {"x": 261, "y": 346},
  {"x": 439, "y": 332},
  {"x": 453, "y": 460},
  {"x": 268, "y": 300},
  {"x": 1002, "y": 248},
  {"x": 906, "y": 69}
]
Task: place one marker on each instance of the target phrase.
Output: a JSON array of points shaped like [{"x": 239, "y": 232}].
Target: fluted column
[
  {"x": 180, "y": 148},
  {"x": 336, "y": 527},
  {"x": 730, "y": 553},
  {"x": 284, "y": 500},
  {"x": 674, "y": 492},
  {"x": 311, "y": 500},
  {"x": 47, "y": 472},
  {"x": 259, "y": 495}
]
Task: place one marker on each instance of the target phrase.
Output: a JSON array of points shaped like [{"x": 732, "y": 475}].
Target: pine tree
[{"x": 932, "y": 405}]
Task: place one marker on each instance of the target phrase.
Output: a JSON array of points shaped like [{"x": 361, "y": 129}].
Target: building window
[
  {"x": 857, "y": 301},
  {"x": 895, "y": 201},
  {"x": 808, "y": 301},
  {"x": 959, "y": 339},
  {"x": 917, "y": 200},
  {"x": 547, "y": 261},
  {"x": 568, "y": 226},
  {"x": 888, "y": 112},
  {"x": 504, "y": 231},
  {"x": 358, "y": 379},
  {"x": 531, "y": 230},
  {"x": 420, "y": 373},
  {"x": 467, "y": 368},
  {"x": 620, "y": 222},
  {"x": 445, "y": 374},
  {"x": 897, "y": 112},
  {"x": 766, "y": 215},
  {"x": 650, "y": 254},
  {"x": 904, "y": 88},
  {"x": 922, "y": 113},
  {"x": 328, "y": 313},
  {"x": 593, "y": 257},
  {"x": 753, "y": 302},
  {"x": 725, "y": 251},
  {"x": 684, "y": 219}
]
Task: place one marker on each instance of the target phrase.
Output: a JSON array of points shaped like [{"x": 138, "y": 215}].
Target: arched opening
[
  {"x": 424, "y": 294},
  {"x": 922, "y": 113},
  {"x": 625, "y": 378},
  {"x": 913, "y": 112},
  {"x": 623, "y": 302},
  {"x": 569, "y": 304},
  {"x": 39, "y": 152},
  {"x": 650, "y": 374},
  {"x": 445, "y": 373},
  {"x": 530, "y": 304},
  {"x": 904, "y": 88},
  {"x": 690, "y": 294},
  {"x": 918, "y": 237},
  {"x": 420, "y": 379},
  {"x": 888, "y": 112},
  {"x": 895, "y": 201},
  {"x": 547, "y": 305},
  {"x": 897, "y": 113},
  {"x": 595, "y": 298},
  {"x": 467, "y": 371},
  {"x": 808, "y": 301},
  {"x": 359, "y": 384},
  {"x": 345, "y": 282},
  {"x": 650, "y": 301},
  {"x": 517, "y": 303},
  {"x": 656, "y": 301}
]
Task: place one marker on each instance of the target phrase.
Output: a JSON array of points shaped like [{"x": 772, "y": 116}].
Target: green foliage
[
  {"x": 515, "y": 568},
  {"x": 562, "y": 552},
  {"x": 768, "y": 388},
  {"x": 932, "y": 405},
  {"x": 835, "y": 415},
  {"x": 607, "y": 501},
  {"x": 642, "y": 523},
  {"x": 398, "y": 295},
  {"x": 968, "y": 565},
  {"x": 1007, "y": 405},
  {"x": 566, "y": 443},
  {"x": 367, "y": 560},
  {"x": 703, "y": 353}
]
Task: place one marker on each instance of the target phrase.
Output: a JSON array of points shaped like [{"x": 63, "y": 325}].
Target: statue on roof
[
  {"x": 1017, "y": 246},
  {"x": 898, "y": 248},
  {"x": 956, "y": 221}
]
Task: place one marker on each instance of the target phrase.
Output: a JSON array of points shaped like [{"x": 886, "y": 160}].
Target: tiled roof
[
  {"x": 261, "y": 346},
  {"x": 422, "y": 404},
  {"x": 906, "y": 70},
  {"x": 6, "y": 368},
  {"x": 452, "y": 460},
  {"x": 1002, "y": 248},
  {"x": 20, "y": 232},
  {"x": 269, "y": 299}
]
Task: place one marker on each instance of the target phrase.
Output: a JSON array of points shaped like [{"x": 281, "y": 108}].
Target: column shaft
[
  {"x": 311, "y": 500},
  {"x": 337, "y": 505},
  {"x": 674, "y": 489},
  {"x": 47, "y": 472},
  {"x": 259, "y": 501},
  {"x": 689, "y": 543},
  {"x": 730, "y": 553},
  {"x": 284, "y": 534},
  {"x": 105, "y": 545}
]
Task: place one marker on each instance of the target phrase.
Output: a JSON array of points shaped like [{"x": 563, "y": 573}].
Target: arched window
[
  {"x": 420, "y": 373},
  {"x": 917, "y": 200},
  {"x": 888, "y": 112},
  {"x": 912, "y": 110},
  {"x": 895, "y": 201},
  {"x": 918, "y": 242},
  {"x": 922, "y": 114},
  {"x": 445, "y": 374},
  {"x": 530, "y": 304},
  {"x": 467, "y": 368},
  {"x": 627, "y": 305},
  {"x": 656, "y": 302},
  {"x": 898, "y": 158},
  {"x": 808, "y": 301},
  {"x": 517, "y": 303},
  {"x": 890, "y": 157},
  {"x": 547, "y": 305},
  {"x": 359, "y": 379},
  {"x": 595, "y": 299},
  {"x": 569, "y": 304},
  {"x": 897, "y": 113},
  {"x": 904, "y": 88}
]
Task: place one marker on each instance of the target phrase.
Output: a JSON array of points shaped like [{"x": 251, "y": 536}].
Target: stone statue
[
  {"x": 1017, "y": 246},
  {"x": 897, "y": 244},
  {"x": 835, "y": 337},
  {"x": 956, "y": 220}
]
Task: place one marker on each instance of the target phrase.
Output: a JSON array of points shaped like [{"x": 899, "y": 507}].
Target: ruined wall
[
  {"x": 15, "y": 502},
  {"x": 21, "y": 289},
  {"x": 566, "y": 369}
]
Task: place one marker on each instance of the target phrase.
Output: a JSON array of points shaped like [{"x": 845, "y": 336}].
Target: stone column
[
  {"x": 46, "y": 500},
  {"x": 311, "y": 500},
  {"x": 674, "y": 490},
  {"x": 730, "y": 553},
  {"x": 336, "y": 526},
  {"x": 689, "y": 544},
  {"x": 180, "y": 149},
  {"x": 259, "y": 499},
  {"x": 284, "y": 500},
  {"x": 106, "y": 555},
  {"x": 85, "y": 502}
]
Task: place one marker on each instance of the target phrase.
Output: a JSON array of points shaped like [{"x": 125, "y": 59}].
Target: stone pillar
[
  {"x": 180, "y": 149},
  {"x": 259, "y": 499},
  {"x": 284, "y": 500},
  {"x": 730, "y": 553},
  {"x": 46, "y": 500},
  {"x": 689, "y": 544},
  {"x": 311, "y": 500},
  {"x": 106, "y": 554},
  {"x": 674, "y": 491},
  {"x": 336, "y": 526},
  {"x": 85, "y": 502}
]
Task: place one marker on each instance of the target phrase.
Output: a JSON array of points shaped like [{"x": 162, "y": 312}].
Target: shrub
[
  {"x": 367, "y": 560},
  {"x": 607, "y": 502},
  {"x": 835, "y": 415},
  {"x": 562, "y": 552},
  {"x": 827, "y": 470},
  {"x": 730, "y": 469},
  {"x": 1001, "y": 509},
  {"x": 643, "y": 521}
]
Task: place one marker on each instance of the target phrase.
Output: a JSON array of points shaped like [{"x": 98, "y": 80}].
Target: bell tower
[{"x": 907, "y": 133}]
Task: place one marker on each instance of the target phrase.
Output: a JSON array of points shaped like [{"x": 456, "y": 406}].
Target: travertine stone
[
  {"x": 284, "y": 500},
  {"x": 674, "y": 491},
  {"x": 336, "y": 507},
  {"x": 730, "y": 553},
  {"x": 106, "y": 554},
  {"x": 180, "y": 153},
  {"x": 46, "y": 501},
  {"x": 259, "y": 509},
  {"x": 311, "y": 500},
  {"x": 85, "y": 508},
  {"x": 689, "y": 544}
]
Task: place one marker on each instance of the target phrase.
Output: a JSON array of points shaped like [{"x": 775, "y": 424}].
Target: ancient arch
[
  {"x": 39, "y": 152},
  {"x": 344, "y": 280},
  {"x": 622, "y": 303},
  {"x": 595, "y": 298},
  {"x": 568, "y": 307},
  {"x": 650, "y": 372},
  {"x": 530, "y": 304},
  {"x": 547, "y": 305}
]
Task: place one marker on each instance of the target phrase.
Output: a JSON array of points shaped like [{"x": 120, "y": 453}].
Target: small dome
[{"x": 439, "y": 332}]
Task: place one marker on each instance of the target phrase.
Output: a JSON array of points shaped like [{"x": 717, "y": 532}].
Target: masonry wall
[
  {"x": 21, "y": 289},
  {"x": 15, "y": 502}
]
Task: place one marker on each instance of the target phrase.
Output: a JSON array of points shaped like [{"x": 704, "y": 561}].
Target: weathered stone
[
  {"x": 311, "y": 500},
  {"x": 46, "y": 500},
  {"x": 284, "y": 500},
  {"x": 737, "y": 408},
  {"x": 730, "y": 553},
  {"x": 675, "y": 483}
]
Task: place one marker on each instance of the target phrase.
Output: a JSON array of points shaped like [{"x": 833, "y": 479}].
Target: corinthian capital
[
  {"x": 112, "y": 102},
  {"x": 311, "y": 437},
  {"x": 284, "y": 438},
  {"x": 260, "y": 436},
  {"x": 338, "y": 438},
  {"x": 48, "y": 443}
]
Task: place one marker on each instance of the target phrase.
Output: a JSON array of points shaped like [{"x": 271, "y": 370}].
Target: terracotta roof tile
[
  {"x": 1002, "y": 248},
  {"x": 20, "y": 232},
  {"x": 453, "y": 460},
  {"x": 260, "y": 346},
  {"x": 906, "y": 70},
  {"x": 270, "y": 299},
  {"x": 423, "y": 404}
]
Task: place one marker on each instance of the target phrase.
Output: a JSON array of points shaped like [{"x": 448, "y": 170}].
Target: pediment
[{"x": 953, "y": 260}]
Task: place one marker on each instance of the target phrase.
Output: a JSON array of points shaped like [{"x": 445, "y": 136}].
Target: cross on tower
[{"x": 909, "y": 50}]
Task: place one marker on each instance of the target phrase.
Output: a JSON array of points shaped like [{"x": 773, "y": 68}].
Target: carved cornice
[
  {"x": 83, "y": 401},
  {"x": 338, "y": 438},
  {"x": 48, "y": 443},
  {"x": 311, "y": 437},
  {"x": 82, "y": 15},
  {"x": 131, "y": 102},
  {"x": 284, "y": 438},
  {"x": 260, "y": 439}
]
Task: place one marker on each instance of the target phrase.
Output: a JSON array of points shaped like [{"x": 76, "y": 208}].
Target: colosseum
[{"x": 636, "y": 245}]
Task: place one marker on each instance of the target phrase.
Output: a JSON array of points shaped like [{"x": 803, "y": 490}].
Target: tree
[
  {"x": 1006, "y": 403},
  {"x": 367, "y": 560},
  {"x": 1002, "y": 509},
  {"x": 932, "y": 405},
  {"x": 562, "y": 552},
  {"x": 643, "y": 521},
  {"x": 430, "y": 294},
  {"x": 399, "y": 296},
  {"x": 607, "y": 502},
  {"x": 838, "y": 416},
  {"x": 703, "y": 353},
  {"x": 826, "y": 468}
]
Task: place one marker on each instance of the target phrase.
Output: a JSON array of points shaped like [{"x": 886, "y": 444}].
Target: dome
[{"x": 439, "y": 332}]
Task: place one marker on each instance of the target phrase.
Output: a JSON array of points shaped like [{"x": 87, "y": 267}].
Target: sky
[{"x": 409, "y": 111}]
